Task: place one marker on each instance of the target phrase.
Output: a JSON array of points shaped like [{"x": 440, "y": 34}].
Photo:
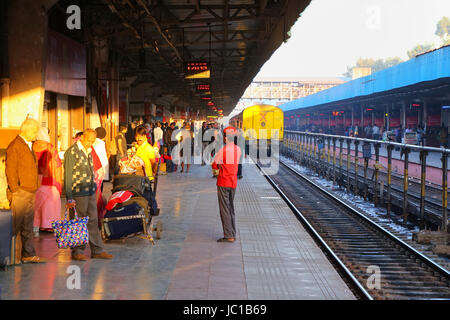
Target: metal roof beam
[{"x": 158, "y": 27}]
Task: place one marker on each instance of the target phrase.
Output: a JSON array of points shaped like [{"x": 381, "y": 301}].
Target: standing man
[
  {"x": 22, "y": 176},
  {"x": 375, "y": 132},
  {"x": 158, "y": 133},
  {"x": 79, "y": 182},
  {"x": 203, "y": 140},
  {"x": 169, "y": 143},
  {"x": 226, "y": 161},
  {"x": 443, "y": 135},
  {"x": 121, "y": 144}
]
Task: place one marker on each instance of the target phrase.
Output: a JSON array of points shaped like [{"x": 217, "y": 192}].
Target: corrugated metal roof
[{"x": 427, "y": 67}]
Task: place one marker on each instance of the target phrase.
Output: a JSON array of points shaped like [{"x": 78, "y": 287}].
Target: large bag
[
  {"x": 16, "y": 249},
  {"x": 134, "y": 183},
  {"x": 149, "y": 195},
  {"x": 123, "y": 221},
  {"x": 5, "y": 238},
  {"x": 71, "y": 233},
  {"x": 141, "y": 201}
]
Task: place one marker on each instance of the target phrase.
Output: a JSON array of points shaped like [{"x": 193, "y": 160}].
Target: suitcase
[
  {"x": 5, "y": 238},
  {"x": 133, "y": 183},
  {"x": 124, "y": 221},
  {"x": 16, "y": 249}
]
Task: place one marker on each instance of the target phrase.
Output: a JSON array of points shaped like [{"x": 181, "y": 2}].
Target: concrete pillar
[
  {"x": 27, "y": 33},
  {"x": 4, "y": 101},
  {"x": 403, "y": 115},
  {"x": 386, "y": 118},
  {"x": 425, "y": 113},
  {"x": 362, "y": 116},
  {"x": 353, "y": 116},
  {"x": 345, "y": 126}
]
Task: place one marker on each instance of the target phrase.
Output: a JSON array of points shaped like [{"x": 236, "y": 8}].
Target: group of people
[
  {"x": 157, "y": 140},
  {"x": 37, "y": 177},
  {"x": 35, "y": 184},
  {"x": 161, "y": 136},
  {"x": 396, "y": 134}
]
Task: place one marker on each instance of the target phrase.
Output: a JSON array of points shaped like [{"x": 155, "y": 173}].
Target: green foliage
[
  {"x": 443, "y": 27},
  {"x": 376, "y": 65},
  {"x": 420, "y": 48},
  {"x": 443, "y": 30}
]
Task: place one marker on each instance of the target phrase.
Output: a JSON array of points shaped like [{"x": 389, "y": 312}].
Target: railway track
[
  {"x": 433, "y": 206},
  {"x": 377, "y": 264}
]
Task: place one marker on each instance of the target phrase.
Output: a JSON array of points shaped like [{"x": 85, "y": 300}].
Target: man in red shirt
[{"x": 227, "y": 161}]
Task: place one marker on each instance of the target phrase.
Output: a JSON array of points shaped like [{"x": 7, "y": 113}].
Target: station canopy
[{"x": 174, "y": 44}]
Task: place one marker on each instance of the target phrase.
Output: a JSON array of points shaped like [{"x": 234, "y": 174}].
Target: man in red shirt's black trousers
[{"x": 227, "y": 161}]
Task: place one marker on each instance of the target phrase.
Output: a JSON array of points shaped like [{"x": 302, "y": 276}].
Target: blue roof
[{"x": 426, "y": 67}]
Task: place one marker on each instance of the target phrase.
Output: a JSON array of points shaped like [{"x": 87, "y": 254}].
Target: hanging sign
[
  {"x": 203, "y": 88},
  {"x": 197, "y": 70}
]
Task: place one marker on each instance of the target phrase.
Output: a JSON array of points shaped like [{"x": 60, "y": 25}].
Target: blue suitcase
[
  {"x": 123, "y": 221},
  {"x": 5, "y": 238}
]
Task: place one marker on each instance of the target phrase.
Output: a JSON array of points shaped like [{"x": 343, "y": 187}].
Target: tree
[
  {"x": 420, "y": 48},
  {"x": 443, "y": 30},
  {"x": 376, "y": 65}
]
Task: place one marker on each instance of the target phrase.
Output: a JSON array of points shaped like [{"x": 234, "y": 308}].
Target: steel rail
[{"x": 394, "y": 238}]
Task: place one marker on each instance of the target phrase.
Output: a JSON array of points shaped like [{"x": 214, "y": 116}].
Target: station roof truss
[{"x": 155, "y": 37}]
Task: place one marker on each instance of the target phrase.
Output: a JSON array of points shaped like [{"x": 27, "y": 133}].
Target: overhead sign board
[
  {"x": 197, "y": 70},
  {"x": 203, "y": 87}
]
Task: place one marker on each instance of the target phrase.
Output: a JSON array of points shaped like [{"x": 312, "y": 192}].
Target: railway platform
[{"x": 273, "y": 256}]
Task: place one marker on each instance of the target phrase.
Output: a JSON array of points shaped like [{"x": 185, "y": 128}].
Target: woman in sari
[
  {"x": 48, "y": 197},
  {"x": 101, "y": 169}
]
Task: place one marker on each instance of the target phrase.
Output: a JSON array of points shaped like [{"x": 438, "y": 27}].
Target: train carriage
[{"x": 260, "y": 117}]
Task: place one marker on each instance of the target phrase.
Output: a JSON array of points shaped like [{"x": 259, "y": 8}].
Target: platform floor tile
[{"x": 272, "y": 258}]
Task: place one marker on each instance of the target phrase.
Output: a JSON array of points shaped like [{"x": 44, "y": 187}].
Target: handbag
[{"x": 71, "y": 233}]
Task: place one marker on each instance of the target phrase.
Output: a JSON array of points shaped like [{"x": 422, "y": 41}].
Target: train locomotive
[{"x": 258, "y": 122}]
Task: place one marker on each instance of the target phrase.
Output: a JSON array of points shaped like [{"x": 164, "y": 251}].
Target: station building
[{"x": 411, "y": 94}]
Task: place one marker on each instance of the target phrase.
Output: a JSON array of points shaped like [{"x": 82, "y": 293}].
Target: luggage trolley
[{"x": 138, "y": 219}]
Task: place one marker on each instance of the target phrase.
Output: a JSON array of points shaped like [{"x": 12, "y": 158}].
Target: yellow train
[{"x": 260, "y": 116}]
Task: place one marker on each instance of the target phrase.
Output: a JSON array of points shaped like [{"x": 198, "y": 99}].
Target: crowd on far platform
[{"x": 411, "y": 134}]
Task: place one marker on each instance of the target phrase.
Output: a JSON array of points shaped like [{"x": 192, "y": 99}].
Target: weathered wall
[{"x": 27, "y": 27}]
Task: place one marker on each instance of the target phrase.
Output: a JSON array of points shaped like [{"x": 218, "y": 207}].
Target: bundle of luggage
[
  {"x": 130, "y": 208},
  {"x": 167, "y": 160},
  {"x": 10, "y": 245}
]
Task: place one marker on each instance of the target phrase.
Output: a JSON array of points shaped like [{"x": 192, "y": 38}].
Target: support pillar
[{"x": 27, "y": 35}]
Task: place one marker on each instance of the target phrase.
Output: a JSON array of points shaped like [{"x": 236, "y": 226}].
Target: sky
[{"x": 332, "y": 34}]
